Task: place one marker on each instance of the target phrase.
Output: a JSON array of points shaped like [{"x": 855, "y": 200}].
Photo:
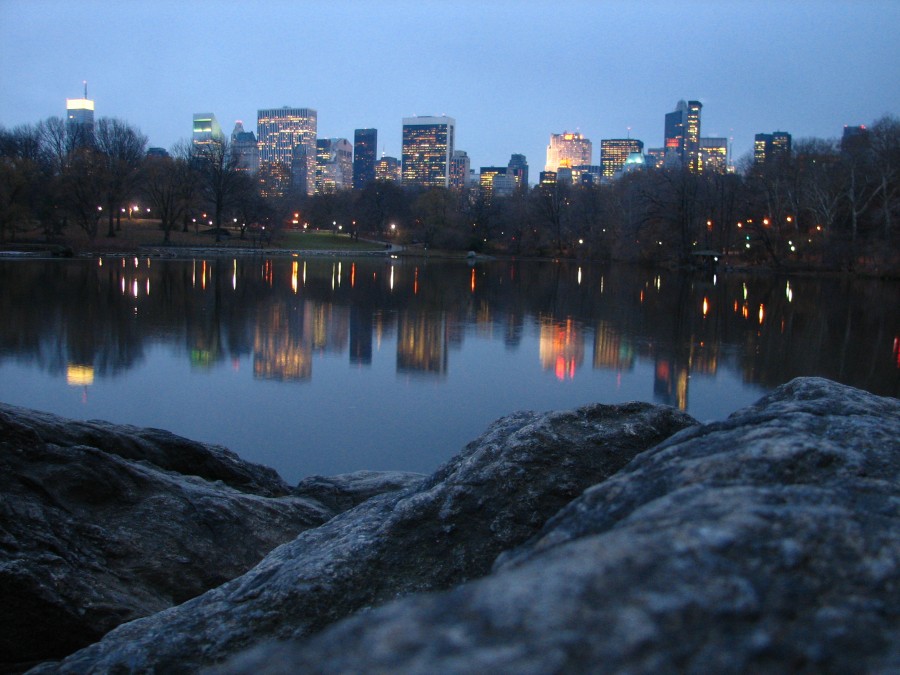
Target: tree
[
  {"x": 160, "y": 180},
  {"x": 19, "y": 177},
  {"x": 220, "y": 178},
  {"x": 121, "y": 148}
]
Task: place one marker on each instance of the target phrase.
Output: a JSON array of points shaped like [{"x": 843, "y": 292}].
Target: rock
[
  {"x": 447, "y": 529},
  {"x": 101, "y": 524},
  {"x": 768, "y": 542}
]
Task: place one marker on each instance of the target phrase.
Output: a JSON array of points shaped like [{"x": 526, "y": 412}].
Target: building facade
[
  {"x": 244, "y": 146},
  {"x": 614, "y": 152},
  {"x": 682, "y": 135},
  {"x": 80, "y": 121},
  {"x": 334, "y": 165},
  {"x": 518, "y": 167},
  {"x": 768, "y": 148},
  {"x": 365, "y": 149},
  {"x": 206, "y": 130},
  {"x": 460, "y": 165},
  {"x": 713, "y": 155},
  {"x": 287, "y": 137},
  {"x": 567, "y": 150},
  {"x": 427, "y": 149},
  {"x": 388, "y": 168}
]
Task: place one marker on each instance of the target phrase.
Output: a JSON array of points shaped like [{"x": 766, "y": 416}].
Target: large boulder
[
  {"x": 496, "y": 494},
  {"x": 768, "y": 543},
  {"x": 101, "y": 524}
]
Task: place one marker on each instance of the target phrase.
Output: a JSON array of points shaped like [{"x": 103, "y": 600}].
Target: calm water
[{"x": 331, "y": 365}]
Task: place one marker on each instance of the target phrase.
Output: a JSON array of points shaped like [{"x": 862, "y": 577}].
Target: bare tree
[
  {"x": 121, "y": 148},
  {"x": 220, "y": 178}
]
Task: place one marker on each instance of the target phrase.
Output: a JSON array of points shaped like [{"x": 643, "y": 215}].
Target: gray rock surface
[
  {"x": 101, "y": 524},
  {"x": 494, "y": 495},
  {"x": 766, "y": 543}
]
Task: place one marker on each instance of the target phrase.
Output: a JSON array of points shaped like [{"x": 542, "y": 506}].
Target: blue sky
[{"x": 511, "y": 73}]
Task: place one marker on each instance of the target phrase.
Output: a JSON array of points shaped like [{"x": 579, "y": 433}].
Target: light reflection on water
[{"x": 330, "y": 365}]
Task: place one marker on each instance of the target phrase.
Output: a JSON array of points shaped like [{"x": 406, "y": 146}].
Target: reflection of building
[
  {"x": 281, "y": 132},
  {"x": 427, "y": 149},
  {"x": 281, "y": 347},
  {"x": 365, "y": 144},
  {"x": 567, "y": 150},
  {"x": 79, "y": 375},
  {"x": 388, "y": 168},
  {"x": 561, "y": 346},
  {"x": 614, "y": 152},
  {"x": 362, "y": 327},
  {"x": 422, "y": 343},
  {"x": 670, "y": 383},
  {"x": 610, "y": 349}
]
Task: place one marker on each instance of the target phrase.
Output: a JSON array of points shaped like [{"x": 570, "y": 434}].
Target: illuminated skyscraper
[
  {"x": 80, "y": 120},
  {"x": 568, "y": 150},
  {"x": 334, "y": 165},
  {"x": 614, "y": 152},
  {"x": 459, "y": 169},
  {"x": 288, "y": 135},
  {"x": 206, "y": 130},
  {"x": 713, "y": 155},
  {"x": 486, "y": 177},
  {"x": 365, "y": 143},
  {"x": 682, "y": 135},
  {"x": 427, "y": 149},
  {"x": 770, "y": 147},
  {"x": 388, "y": 168}
]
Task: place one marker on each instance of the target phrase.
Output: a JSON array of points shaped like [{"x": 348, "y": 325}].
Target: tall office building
[
  {"x": 427, "y": 149},
  {"x": 518, "y": 167},
  {"x": 334, "y": 165},
  {"x": 206, "y": 130},
  {"x": 854, "y": 138},
  {"x": 460, "y": 164},
  {"x": 713, "y": 155},
  {"x": 486, "y": 177},
  {"x": 365, "y": 142},
  {"x": 682, "y": 135},
  {"x": 567, "y": 150},
  {"x": 80, "y": 120},
  {"x": 243, "y": 143},
  {"x": 769, "y": 148},
  {"x": 614, "y": 152},
  {"x": 388, "y": 168},
  {"x": 287, "y": 137}
]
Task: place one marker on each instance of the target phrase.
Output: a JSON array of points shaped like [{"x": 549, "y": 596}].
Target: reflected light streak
[
  {"x": 100, "y": 260},
  {"x": 123, "y": 263},
  {"x": 762, "y": 314},
  {"x": 745, "y": 291},
  {"x": 304, "y": 273},
  {"x": 472, "y": 283},
  {"x": 136, "y": 263},
  {"x": 579, "y": 276},
  {"x": 148, "y": 285},
  {"x": 392, "y": 277},
  {"x": 134, "y": 288},
  {"x": 416, "y": 281},
  {"x": 234, "y": 274},
  {"x": 203, "y": 276},
  {"x": 295, "y": 268},
  {"x": 340, "y": 273},
  {"x": 789, "y": 292},
  {"x": 352, "y": 275},
  {"x": 705, "y": 307},
  {"x": 123, "y": 285}
]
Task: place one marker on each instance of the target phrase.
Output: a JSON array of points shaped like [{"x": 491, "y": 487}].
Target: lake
[{"x": 319, "y": 365}]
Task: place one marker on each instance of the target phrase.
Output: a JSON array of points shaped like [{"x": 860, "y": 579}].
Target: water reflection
[{"x": 92, "y": 321}]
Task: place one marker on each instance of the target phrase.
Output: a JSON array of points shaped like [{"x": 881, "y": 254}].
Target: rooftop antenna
[
  {"x": 84, "y": 82},
  {"x": 629, "y": 133}
]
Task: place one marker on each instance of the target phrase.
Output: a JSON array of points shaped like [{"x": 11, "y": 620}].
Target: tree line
[{"x": 825, "y": 204}]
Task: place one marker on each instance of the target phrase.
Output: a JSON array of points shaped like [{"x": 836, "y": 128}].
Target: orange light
[
  {"x": 762, "y": 314},
  {"x": 705, "y": 307}
]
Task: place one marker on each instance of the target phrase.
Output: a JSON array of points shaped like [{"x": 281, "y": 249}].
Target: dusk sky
[{"x": 510, "y": 73}]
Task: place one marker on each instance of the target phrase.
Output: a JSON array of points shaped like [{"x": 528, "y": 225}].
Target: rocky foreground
[{"x": 610, "y": 538}]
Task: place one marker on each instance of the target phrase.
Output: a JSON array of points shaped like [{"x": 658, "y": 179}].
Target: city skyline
[{"x": 606, "y": 70}]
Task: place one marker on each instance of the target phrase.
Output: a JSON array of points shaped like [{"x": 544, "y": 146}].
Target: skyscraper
[
  {"x": 334, "y": 165},
  {"x": 388, "y": 168},
  {"x": 80, "y": 120},
  {"x": 244, "y": 145},
  {"x": 427, "y": 149},
  {"x": 614, "y": 152},
  {"x": 365, "y": 142},
  {"x": 287, "y": 136},
  {"x": 518, "y": 167},
  {"x": 713, "y": 155},
  {"x": 459, "y": 169},
  {"x": 206, "y": 130},
  {"x": 682, "y": 135},
  {"x": 568, "y": 150},
  {"x": 768, "y": 148}
]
